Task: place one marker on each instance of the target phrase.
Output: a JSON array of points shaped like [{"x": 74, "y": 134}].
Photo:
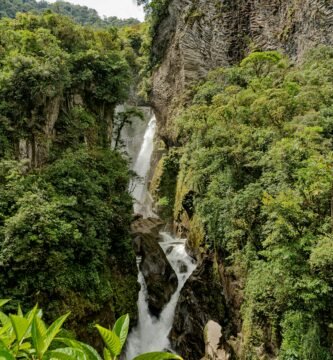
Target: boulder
[
  {"x": 201, "y": 300},
  {"x": 214, "y": 343}
]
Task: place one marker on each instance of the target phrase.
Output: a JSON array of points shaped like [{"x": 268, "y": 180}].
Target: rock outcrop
[
  {"x": 160, "y": 278},
  {"x": 215, "y": 348},
  {"x": 201, "y": 300},
  {"x": 196, "y": 36}
]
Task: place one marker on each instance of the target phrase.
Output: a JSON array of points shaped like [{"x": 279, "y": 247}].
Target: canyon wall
[
  {"x": 193, "y": 37},
  {"x": 196, "y": 36}
]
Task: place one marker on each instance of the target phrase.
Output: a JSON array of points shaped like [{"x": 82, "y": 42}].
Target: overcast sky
[{"x": 120, "y": 8}]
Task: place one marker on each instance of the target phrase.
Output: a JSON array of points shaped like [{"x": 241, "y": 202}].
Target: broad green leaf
[
  {"x": 25, "y": 346},
  {"x": 38, "y": 332},
  {"x": 65, "y": 354},
  {"x": 54, "y": 329},
  {"x": 6, "y": 329},
  {"x": 20, "y": 325},
  {"x": 19, "y": 311},
  {"x": 6, "y": 341},
  {"x": 4, "y": 301},
  {"x": 4, "y": 318},
  {"x": 111, "y": 340},
  {"x": 39, "y": 313},
  {"x": 158, "y": 356},
  {"x": 31, "y": 314},
  {"x": 121, "y": 328},
  {"x": 107, "y": 354},
  {"x": 25, "y": 351},
  {"x": 6, "y": 355},
  {"x": 90, "y": 352}
]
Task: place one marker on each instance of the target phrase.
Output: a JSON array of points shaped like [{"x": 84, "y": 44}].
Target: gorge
[{"x": 234, "y": 154}]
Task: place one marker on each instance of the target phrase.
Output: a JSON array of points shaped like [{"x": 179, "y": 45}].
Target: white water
[
  {"x": 143, "y": 201},
  {"x": 151, "y": 333}
]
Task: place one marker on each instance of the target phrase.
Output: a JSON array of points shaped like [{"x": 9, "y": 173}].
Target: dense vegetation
[
  {"x": 252, "y": 174},
  {"x": 256, "y": 170},
  {"x": 81, "y": 14},
  {"x": 26, "y": 336},
  {"x": 64, "y": 207}
]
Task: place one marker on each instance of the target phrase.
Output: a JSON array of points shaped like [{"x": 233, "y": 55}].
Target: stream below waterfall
[{"x": 151, "y": 333}]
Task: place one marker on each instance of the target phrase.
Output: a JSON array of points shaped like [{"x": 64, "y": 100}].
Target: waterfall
[
  {"x": 151, "y": 333},
  {"x": 143, "y": 201}
]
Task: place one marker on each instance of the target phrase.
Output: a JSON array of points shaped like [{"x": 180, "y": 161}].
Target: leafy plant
[
  {"x": 115, "y": 340},
  {"x": 26, "y": 336}
]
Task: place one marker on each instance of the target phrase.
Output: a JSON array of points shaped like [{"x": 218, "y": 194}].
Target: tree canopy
[
  {"x": 257, "y": 160},
  {"x": 65, "y": 210}
]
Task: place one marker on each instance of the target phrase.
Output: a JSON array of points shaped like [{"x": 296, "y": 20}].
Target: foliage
[
  {"x": 81, "y": 14},
  {"x": 65, "y": 210},
  {"x": 122, "y": 119},
  {"x": 163, "y": 185},
  {"x": 64, "y": 235},
  {"x": 257, "y": 142},
  {"x": 56, "y": 72},
  {"x": 26, "y": 336}
]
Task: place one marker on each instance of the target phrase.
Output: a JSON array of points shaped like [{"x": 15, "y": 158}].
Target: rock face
[
  {"x": 201, "y": 299},
  {"x": 196, "y": 36},
  {"x": 160, "y": 278},
  {"x": 36, "y": 147},
  {"x": 214, "y": 347}
]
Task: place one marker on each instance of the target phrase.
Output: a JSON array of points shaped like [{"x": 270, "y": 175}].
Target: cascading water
[
  {"x": 143, "y": 203},
  {"x": 151, "y": 333}
]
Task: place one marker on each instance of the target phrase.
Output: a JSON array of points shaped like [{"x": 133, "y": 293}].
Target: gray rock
[
  {"x": 201, "y": 299},
  {"x": 214, "y": 343},
  {"x": 182, "y": 267},
  {"x": 160, "y": 278},
  {"x": 197, "y": 36}
]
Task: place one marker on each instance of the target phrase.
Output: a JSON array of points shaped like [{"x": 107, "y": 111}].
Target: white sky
[{"x": 120, "y": 8}]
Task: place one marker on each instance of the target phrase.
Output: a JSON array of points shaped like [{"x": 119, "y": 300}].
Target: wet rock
[
  {"x": 215, "y": 347},
  {"x": 169, "y": 250},
  {"x": 182, "y": 267},
  {"x": 160, "y": 278},
  {"x": 201, "y": 300},
  {"x": 150, "y": 226}
]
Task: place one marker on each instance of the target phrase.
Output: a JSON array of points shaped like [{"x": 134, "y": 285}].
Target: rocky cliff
[
  {"x": 193, "y": 37},
  {"x": 197, "y": 35}
]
